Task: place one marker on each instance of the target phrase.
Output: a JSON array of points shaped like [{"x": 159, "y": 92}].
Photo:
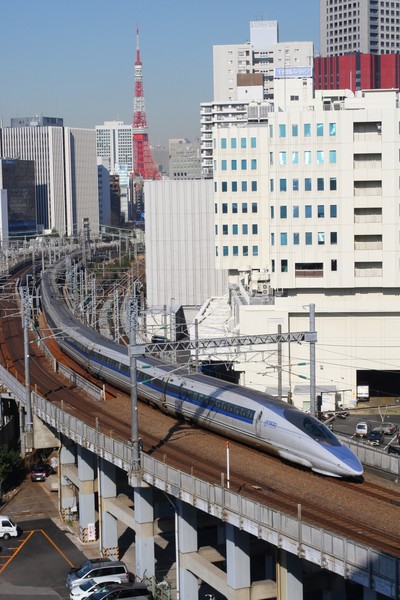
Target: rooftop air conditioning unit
[{"x": 263, "y": 288}]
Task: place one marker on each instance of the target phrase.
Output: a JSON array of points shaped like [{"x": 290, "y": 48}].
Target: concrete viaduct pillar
[
  {"x": 87, "y": 513},
  {"x": 186, "y": 524},
  {"x": 289, "y": 576},
  {"x": 337, "y": 588},
  {"x": 238, "y": 562},
  {"x": 67, "y": 489},
  {"x": 144, "y": 540},
  {"x": 108, "y": 523}
]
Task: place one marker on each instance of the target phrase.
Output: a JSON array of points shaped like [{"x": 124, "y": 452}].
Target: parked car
[
  {"x": 362, "y": 429},
  {"x": 99, "y": 569},
  {"x": 376, "y": 437},
  {"x": 39, "y": 473},
  {"x": 130, "y": 591},
  {"x": 342, "y": 414},
  {"x": 389, "y": 428},
  {"x": 8, "y": 528},
  {"x": 325, "y": 416},
  {"x": 81, "y": 592},
  {"x": 393, "y": 449}
]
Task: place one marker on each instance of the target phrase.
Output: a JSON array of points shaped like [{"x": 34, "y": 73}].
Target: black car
[
  {"x": 342, "y": 414},
  {"x": 41, "y": 471},
  {"x": 128, "y": 591},
  {"x": 376, "y": 437}
]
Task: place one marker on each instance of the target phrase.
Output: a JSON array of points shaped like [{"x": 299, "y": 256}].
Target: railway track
[{"x": 367, "y": 511}]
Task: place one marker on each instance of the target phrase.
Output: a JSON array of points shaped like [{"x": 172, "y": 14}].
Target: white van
[
  {"x": 7, "y": 528},
  {"x": 362, "y": 429}
]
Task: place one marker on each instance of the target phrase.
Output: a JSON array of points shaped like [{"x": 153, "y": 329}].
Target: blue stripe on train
[{"x": 152, "y": 385}]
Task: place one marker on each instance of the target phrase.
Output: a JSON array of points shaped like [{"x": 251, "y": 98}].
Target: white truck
[{"x": 8, "y": 528}]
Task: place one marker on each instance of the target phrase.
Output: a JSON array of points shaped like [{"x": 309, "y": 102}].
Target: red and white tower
[{"x": 143, "y": 163}]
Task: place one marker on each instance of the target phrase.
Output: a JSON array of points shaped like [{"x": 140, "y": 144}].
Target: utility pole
[
  {"x": 25, "y": 324},
  {"x": 134, "y": 351},
  {"x": 279, "y": 364},
  {"x": 312, "y": 361}
]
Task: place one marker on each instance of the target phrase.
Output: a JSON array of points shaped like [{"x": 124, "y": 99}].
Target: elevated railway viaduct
[{"x": 255, "y": 539}]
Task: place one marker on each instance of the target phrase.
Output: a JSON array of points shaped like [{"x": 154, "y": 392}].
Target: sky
[{"x": 75, "y": 58}]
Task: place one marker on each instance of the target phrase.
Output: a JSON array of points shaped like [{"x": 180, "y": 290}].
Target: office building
[
  {"x": 115, "y": 201},
  {"x": 104, "y": 187},
  {"x": 244, "y": 79},
  {"x": 307, "y": 213},
  {"x": 368, "y": 26},
  {"x": 65, "y": 173},
  {"x": 17, "y": 180},
  {"x": 255, "y": 56},
  {"x": 180, "y": 243},
  {"x": 37, "y": 121},
  {"x": 184, "y": 159},
  {"x": 357, "y": 71},
  {"x": 114, "y": 145}
]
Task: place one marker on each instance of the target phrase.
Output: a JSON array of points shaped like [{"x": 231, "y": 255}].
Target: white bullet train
[{"x": 234, "y": 411}]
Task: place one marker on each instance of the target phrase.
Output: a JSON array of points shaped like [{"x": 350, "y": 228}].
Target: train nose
[{"x": 349, "y": 463}]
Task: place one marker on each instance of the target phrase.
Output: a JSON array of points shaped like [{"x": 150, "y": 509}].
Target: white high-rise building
[
  {"x": 255, "y": 56},
  {"x": 307, "y": 212},
  {"x": 65, "y": 173},
  {"x": 114, "y": 145},
  {"x": 244, "y": 80},
  {"x": 369, "y": 26}
]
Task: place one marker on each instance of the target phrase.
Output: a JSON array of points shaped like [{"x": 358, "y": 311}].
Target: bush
[{"x": 11, "y": 468}]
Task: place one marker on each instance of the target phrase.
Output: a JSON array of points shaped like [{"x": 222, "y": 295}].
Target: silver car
[
  {"x": 362, "y": 429},
  {"x": 80, "y": 592},
  {"x": 389, "y": 428},
  {"x": 99, "y": 569}
]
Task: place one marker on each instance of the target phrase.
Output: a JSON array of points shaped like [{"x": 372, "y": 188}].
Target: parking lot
[
  {"x": 35, "y": 564},
  {"x": 347, "y": 426}
]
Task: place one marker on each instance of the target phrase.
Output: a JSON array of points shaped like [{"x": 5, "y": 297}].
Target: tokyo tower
[{"x": 143, "y": 163}]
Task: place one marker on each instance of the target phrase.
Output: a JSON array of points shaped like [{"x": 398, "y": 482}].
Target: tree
[{"x": 11, "y": 467}]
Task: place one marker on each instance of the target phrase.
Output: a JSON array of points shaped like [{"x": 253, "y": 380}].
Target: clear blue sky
[{"x": 74, "y": 58}]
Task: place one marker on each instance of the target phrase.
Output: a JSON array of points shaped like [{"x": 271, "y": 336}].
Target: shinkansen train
[{"x": 237, "y": 412}]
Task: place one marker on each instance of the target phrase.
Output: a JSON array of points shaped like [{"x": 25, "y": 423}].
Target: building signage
[
  {"x": 91, "y": 532},
  {"x": 293, "y": 72}
]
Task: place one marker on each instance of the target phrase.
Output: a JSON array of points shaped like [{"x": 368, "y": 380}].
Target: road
[
  {"x": 347, "y": 426},
  {"x": 35, "y": 564}
]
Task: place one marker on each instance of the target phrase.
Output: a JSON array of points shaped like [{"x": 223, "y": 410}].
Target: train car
[{"x": 240, "y": 413}]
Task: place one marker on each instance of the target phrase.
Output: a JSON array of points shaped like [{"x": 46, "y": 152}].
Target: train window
[
  {"x": 311, "y": 426},
  {"x": 210, "y": 403}
]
